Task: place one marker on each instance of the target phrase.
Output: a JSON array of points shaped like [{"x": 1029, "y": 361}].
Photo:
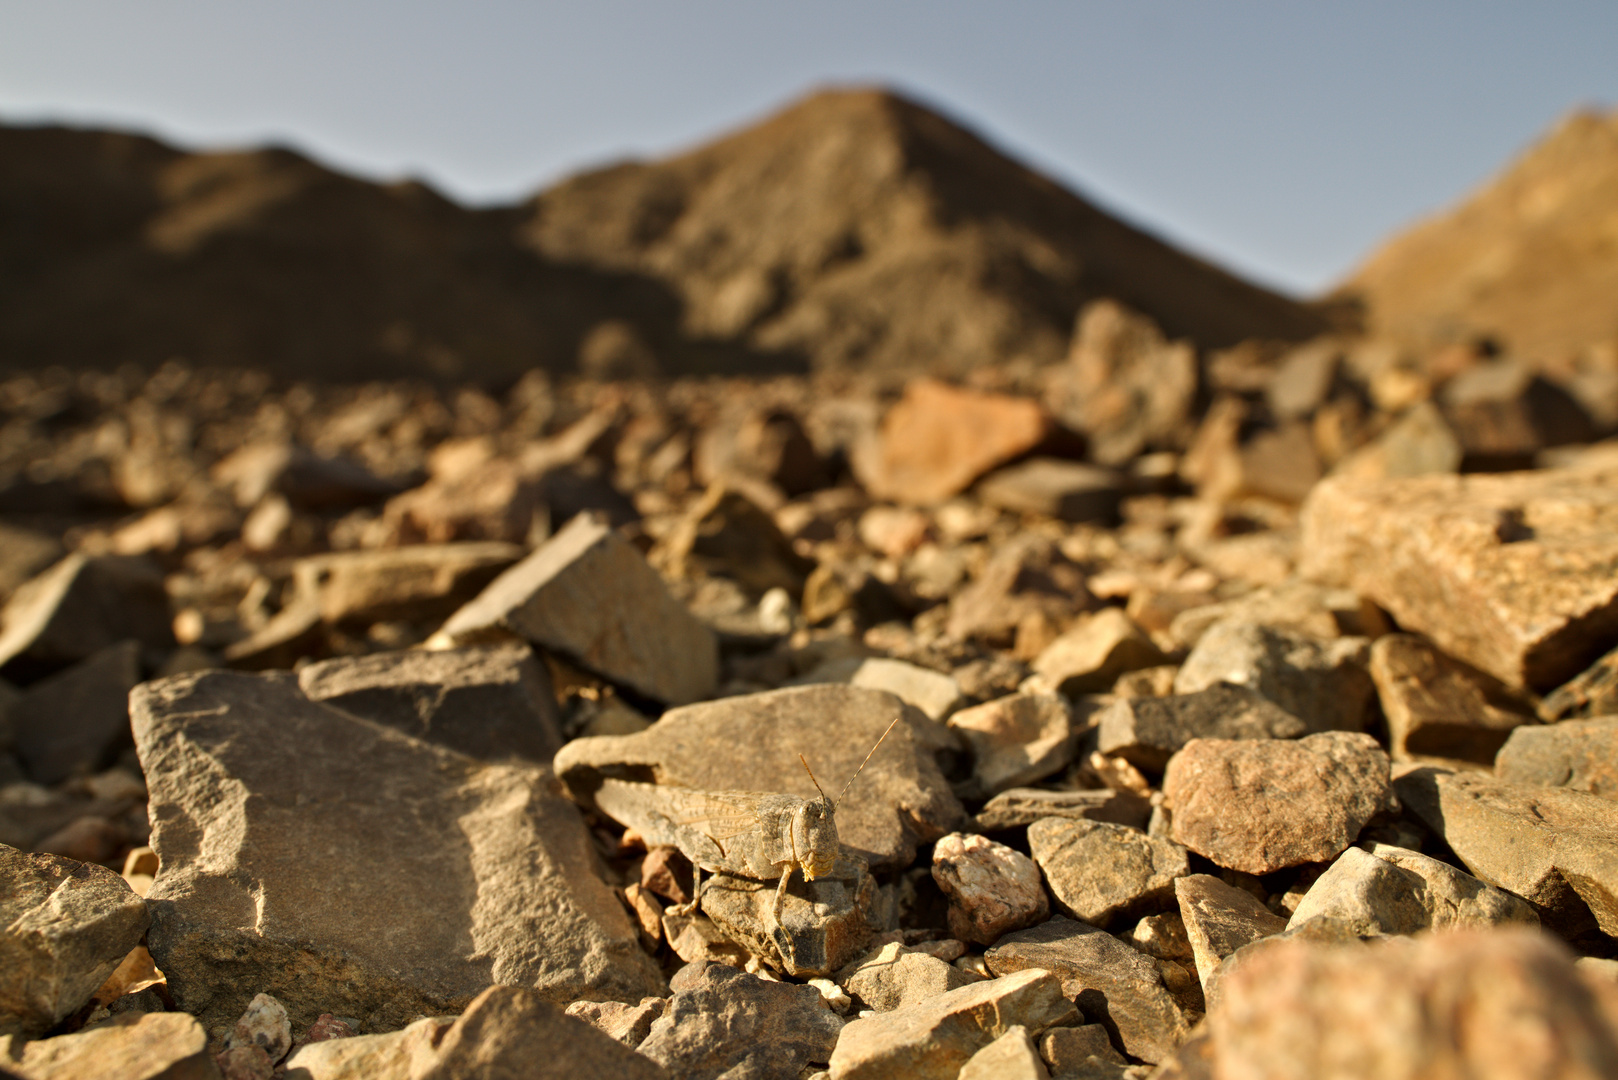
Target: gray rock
[
  {"x": 295, "y": 633},
  {"x": 1024, "y": 806},
  {"x": 419, "y": 583},
  {"x": 894, "y": 977},
  {"x": 1112, "y": 983},
  {"x": 76, "y": 721},
  {"x": 752, "y": 742},
  {"x": 1580, "y": 755},
  {"x": 1265, "y": 804},
  {"x": 694, "y": 938},
  {"x": 1016, "y": 740},
  {"x": 1089, "y": 657},
  {"x": 1102, "y": 873},
  {"x": 1556, "y": 848},
  {"x": 933, "y": 1039},
  {"x": 1026, "y": 578},
  {"x": 1392, "y": 890},
  {"x": 933, "y": 692},
  {"x": 725, "y": 533},
  {"x": 1010, "y": 1057},
  {"x": 1440, "y": 707},
  {"x": 725, "y": 1022},
  {"x": 825, "y": 923},
  {"x": 1592, "y": 692},
  {"x": 1054, "y": 487},
  {"x": 1219, "y": 919},
  {"x": 1146, "y": 732},
  {"x": 628, "y": 1024},
  {"x": 490, "y": 701},
  {"x": 286, "y": 829},
  {"x": 588, "y": 594},
  {"x": 1324, "y": 684},
  {"x": 80, "y": 606},
  {"x": 131, "y": 1046},
  {"x": 992, "y": 889},
  {"x": 64, "y": 927}
]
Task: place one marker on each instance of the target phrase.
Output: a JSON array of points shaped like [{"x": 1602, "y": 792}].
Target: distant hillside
[
  {"x": 855, "y": 228},
  {"x": 1531, "y": 258}
]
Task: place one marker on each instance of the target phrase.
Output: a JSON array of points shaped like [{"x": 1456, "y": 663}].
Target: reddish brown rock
[{"x": 992, "y": 889}]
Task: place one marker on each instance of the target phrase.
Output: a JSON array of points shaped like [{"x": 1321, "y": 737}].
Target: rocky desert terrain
[{"x": 829, "y": 604}]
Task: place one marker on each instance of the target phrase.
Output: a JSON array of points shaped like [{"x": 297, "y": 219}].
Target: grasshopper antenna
[
  {"x": 867, "y": 761},
  {"x": 811, "y": 773}
]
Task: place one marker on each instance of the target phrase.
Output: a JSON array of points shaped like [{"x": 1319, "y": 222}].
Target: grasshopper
[{"x": 756, "y": 834}]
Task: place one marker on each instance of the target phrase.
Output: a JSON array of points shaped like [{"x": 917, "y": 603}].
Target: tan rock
[
  {"x": 82, "y": 605},
  {"x": 1028, "y": 577},
  {"x": 1053, "y": 487},
  {"x": 1322, "y": 683},
  {"x": 1023, "y": 806},
  {"x": 1147, "y": 732},
  {"x": 1439, "y": 707},
  {"x": 1581, "y": 755},
  {"x": 133, "y": 1046},
  {"x": 1391, "y": 890},
  {"x": 1016, "y": 740},
  {"x": 1219, "y": 919},
  {"x": 1101, "y": 873},
  {"x": 419, "y": 583},
  {"x": 894, "y": 977},
  {"x": 1010, "y": 1057},
  {"x": 1090, "y": 656},
  {"x": 725, "y": 533},
  {"x": 992, "y": 889}
]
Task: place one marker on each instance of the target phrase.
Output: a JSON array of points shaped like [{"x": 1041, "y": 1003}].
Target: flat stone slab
[
  {"x": 82, "y": 605},
  {"x": 588, "y": 594},
  {"x": 1146, "y": 732},
  {"x": 1219, "y": 919},
  {"x": 415, "y": 583},
  {"x": 1101, "y": 873},
  {"x": 1580, "y": 755},
  {"x": 64, "y": 927},
  {"x": 1024, "y": 806},
  {"x": 162, "y": 1046},
  {"x": 1323, "y": 683},
  {"x": 1439, "y": 707},
  {"x": 752, "y": 743},
  {"x": 1054, "y": 487},
  {"x": 344, "y": 867},
  {"x": 1517, "y": 573},
  {"x": 1391, "y": 890}
]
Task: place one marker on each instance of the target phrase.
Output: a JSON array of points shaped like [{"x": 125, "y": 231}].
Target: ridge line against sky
[{"x": 1281, "y": 141}]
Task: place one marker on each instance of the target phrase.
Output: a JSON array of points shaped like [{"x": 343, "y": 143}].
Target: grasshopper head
[{"x": 814, "y": 837}]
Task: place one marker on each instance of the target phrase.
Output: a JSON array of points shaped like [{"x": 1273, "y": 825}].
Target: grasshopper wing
[
  {"x": 699, "y": 823},
  {"x": 718, "y": 815}
]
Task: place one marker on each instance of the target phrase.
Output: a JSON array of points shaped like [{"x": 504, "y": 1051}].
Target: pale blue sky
[{"x": 1284, "y": 139}]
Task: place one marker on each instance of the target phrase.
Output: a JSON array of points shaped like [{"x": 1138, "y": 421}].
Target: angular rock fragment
[
  {"x": 294, "y": 633},
  {"x": 725, "y": 1022},
  {"x": 1163, "y": 936},
  {"x": 727, "y": 534},
  {"x": 1391, "y": 890},
  {"x": 933, "y": 692},
  {"x": 24, "y": 553},
  {"x": 1418, "y": 443},
  {"x": 1081, "y": 1053},
  {"x": 894, "y": 977},
  {"x": 694, "y": 938},
  {"x": 1592, "y": 692},
  {"x": 131, "y": 1046},
  {"x": 344, "y": 867},
  {"x": 824, "y": 923},
  {"x": 764, "y": 445},
  {"x": 1016, "y": 740},
  {"x": 1089, "y": 657},
  {"x": 1024, "y": 806},
  {"x": 1111, "y": 982},
  {"x": 1556, "y": 848},
  {"x": 76, "y": 721},
  {"x": 628, "y": 1024},
  {"x": 1265, "y": 804},
  {"x": 487, "y": 701},
  {"x": 1303, "y": 607},
  {"x": 1514, "y": 574},
  {"x": 589, "y": 595},
  {"x": 264, "y": 1025},
  {"x": 933, "y": 1039},
  {"x": 1324, "y": 684},
  {"x": 81, "y": 606},
  {"x": 1010, "y": 1057},
  {"x": 1146, "y": 732},
  {"x": 1102, "y": 873},
  {"x": 64, "y": 928},
  {"x": 1067, "y": 490},
  {"x": 306, "y": 479},
  {"x": 1580, "y": 755},
  {"x": 421, "y": 583},
  {"x": 752, "y": 742},
  {"x": 1026, "y": 579},
  {"x": 1219, "y": 919},
  {"x": 992, "y": 889},
  {"x": 1441, "y": 707}
]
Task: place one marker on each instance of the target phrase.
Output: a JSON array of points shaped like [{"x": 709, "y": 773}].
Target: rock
[
  {"x": 1219, "y": 919},
  {"x": 1016, "y": 740},
  {"x": 935, "y": 1038},
  {"x": 421, "y": 583},
  {"x": 307, "y": 480},
  {"x": 505, "y": 1031},
  {"x": 1111, "y": 982},
  {"x": 763, "y": 445},
  {"x": 1052, "y": 487},
  {"x": 1147, "y": 732},
  {"x": 725, "y": 1022},
  {"x": 1324, "y": 684},
  {"x": 1125, "y": 386},
  {"x": 1555, "y": 848},
  {"x": 629, "y": 1024},
  {"x": 667, "y": 873},
  {"x": 1391, "y": 890},
  {"x": 1418, "y": 443},
  {"x": 824, "y": 924},
  {"x": 76, "y": 721},
  {"x": 1303, "y": 607},
  {"x": 64, "y": 928},
  {"x": 1102, "y": 873},
  {"x": 901, "y": 797},
  {"x": 1163, "y": 936},
  {"x": 894, "y": 977},
  {"x": 992, "y": 889},
  {"x": 1503, "y": 413},
  {"x": 1081, "y": 1053},
  {"x": 24, "y": 553},
  {"x": 1024, "y": 806},
  {"x": 1485, "y": 1004},
  {"x": 1010, "y": 1057},
  {"x": 1026, "y": 578},
  {"x": 933, "y": 692},
  {"x": 1266, "y": 804},
  {"x": 588, "y": 594},
  {"x": 938, "y": 439},
  {"x": 1592, "y": 692},
  {"x": 1089, "y": 657},
  {"x": 1509, "y": 573},
  {"x": 296, "y": 632},
  {"x": 264, "y": 1025},
  {"x": 326, "y": 1027},
  {"x": 489, "y": 701},
  {"x": 81, "y": 606},
  {"x": 894, "y": 531},
  {"x": 131, "y": 1046},
  {"x": 487, "y": 873},
  {"x": 726, "y": 534},
  {"x": 1439, "y": 707},
  {"x": 695, "y": 939},
  {"x": 1581, "y": 755}
]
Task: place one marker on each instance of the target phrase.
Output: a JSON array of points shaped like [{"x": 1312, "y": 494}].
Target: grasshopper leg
[{"x": 781, "y": 894}]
